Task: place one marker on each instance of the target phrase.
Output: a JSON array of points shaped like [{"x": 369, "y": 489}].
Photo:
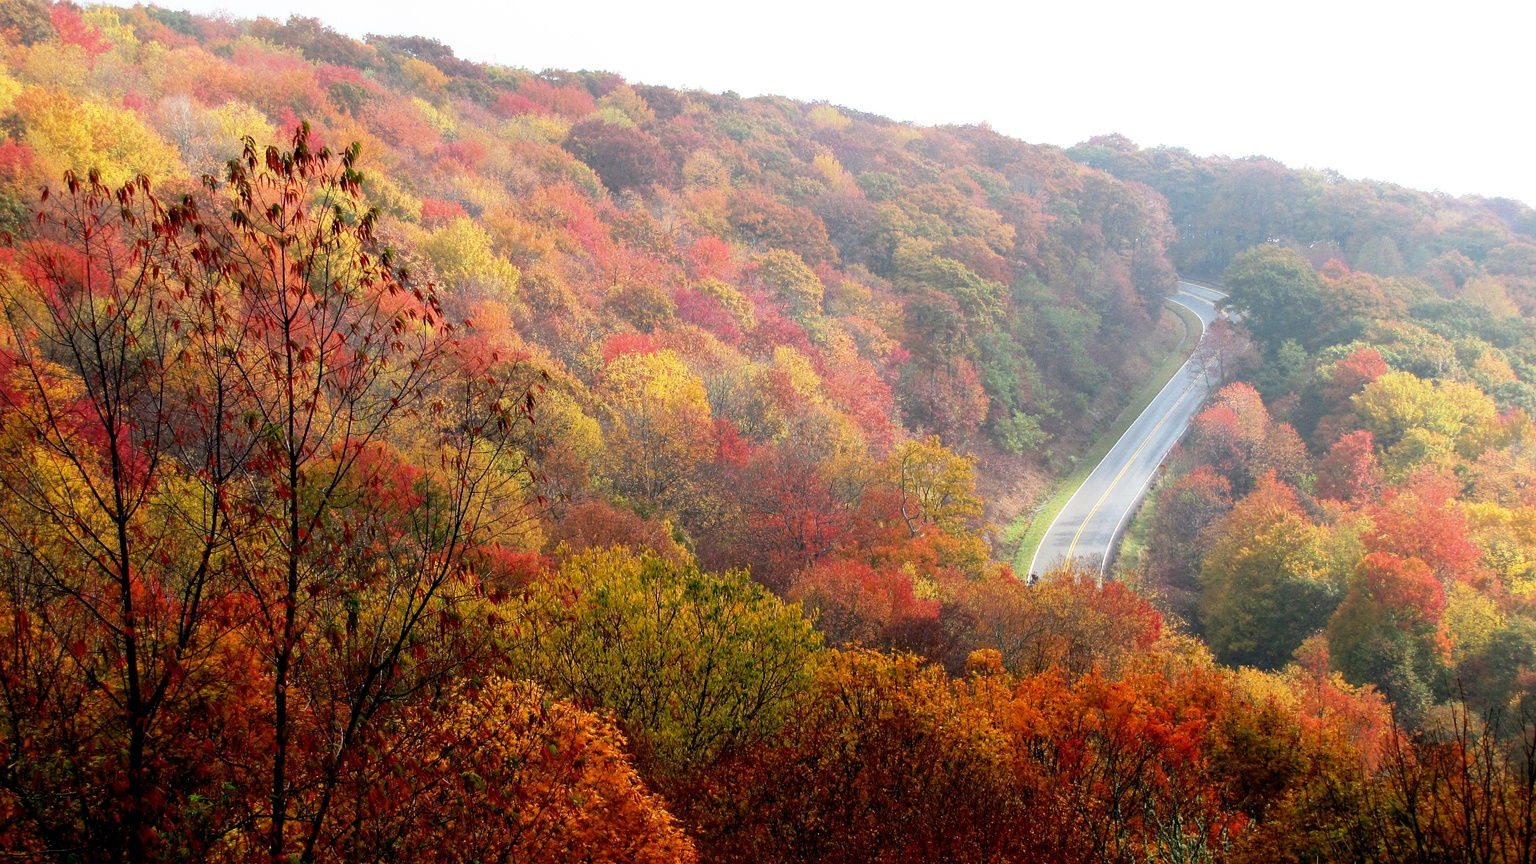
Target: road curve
[{"x": 1089, "y": 526}]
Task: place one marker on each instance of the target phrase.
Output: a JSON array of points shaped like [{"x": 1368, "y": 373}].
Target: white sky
[{"x": 1433, "y": 96}]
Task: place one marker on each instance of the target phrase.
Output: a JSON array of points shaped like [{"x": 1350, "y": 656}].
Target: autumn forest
[{"x": 408, "y": 459}]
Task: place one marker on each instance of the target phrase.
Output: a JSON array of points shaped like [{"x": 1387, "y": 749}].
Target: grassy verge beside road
[
  {"x": 1128, "y": 557},
  {"x": 1026, "y": 533}
]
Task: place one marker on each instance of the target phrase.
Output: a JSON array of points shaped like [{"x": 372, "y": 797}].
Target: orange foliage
[
  {"x": 1421, "y": 520},
  {"x": 513, "y": 775}
]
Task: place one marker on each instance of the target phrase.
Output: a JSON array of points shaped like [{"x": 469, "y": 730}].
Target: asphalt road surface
[{"x": 1089, "y": 527}]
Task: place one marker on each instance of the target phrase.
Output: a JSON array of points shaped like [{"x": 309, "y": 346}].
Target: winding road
[{"x": 1089, "y": 527}]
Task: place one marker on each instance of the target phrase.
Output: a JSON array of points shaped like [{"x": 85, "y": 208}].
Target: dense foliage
[
  {"x": 1376, "y": 509},
  {"x": 407, "y": 459},
  {"x": 1224, "y": 206}
]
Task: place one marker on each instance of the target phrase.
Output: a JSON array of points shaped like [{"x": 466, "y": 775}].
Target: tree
[
  {"x": 944, "y": 399},
  {"x": 1384, "y": 631},
  {"x": 1397, "y": 404},
  {"x": 792, "y": 283},
  {"x": 1277, "y": 293},
  {"x": 624, "y": 158},
  {"x": 1266, "y": 580},
  {"x": 512, "y": 775},
  {"x": 659, "y": 433},
  {"x": 1179, "y": 540},
  {"x": 881, "y": 762},
  {"x": 798, "y": 501},
  {"x": 1350, "y": 471},
  {"x": 237, "y": 384},
  {"x": 87, "y": 137},
  {"x": 25, "y": 22},
  {"x": 1422, "y": 519},
  {"x": 1067, "y": 623},
  {"x": 937, "y": 487},
  {"x": 854, "y": 604},
  {"x": 123, "y": 455},
  {"x": 1236, "y": 436},
  {"x": 693, "y": 665}
]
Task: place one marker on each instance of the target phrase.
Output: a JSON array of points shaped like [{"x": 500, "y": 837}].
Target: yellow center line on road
[{"x": 1128, "y": 462}]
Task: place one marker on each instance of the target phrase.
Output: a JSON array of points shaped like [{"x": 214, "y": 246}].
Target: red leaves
[
  {"x": 435, "y": 211},
  {"x": 597, "y": 524},
  {"x": 1066, "y": 622},
  {"x": 465, "y": 154},
  {"x": 702, "y": 310},
  {"x": 15, "y": 161},
  {"x": 1352, "y": 374},
  {"x": 855, "y": 604},
  {"x": 623, "y": 158},
  {"x": 540, "y": 96},
  {"x": 513, "y": 104},
  {"x": 709, "y": 257},
  {"x": 73, "y": 30},
  {"x": 1237, "y": 437},
  {"x": 1405, "y": 587},
  {"x": 1350, "y": 471},
  {"x": 622, "y": 343},
  {"x": 889, "y": 760},
  {"x": 1419, "y": 520}
]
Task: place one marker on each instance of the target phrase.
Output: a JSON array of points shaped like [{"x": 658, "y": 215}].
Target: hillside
[
  {"x": 410, "y": 459},
  {"x": 1222, "y": 206}
]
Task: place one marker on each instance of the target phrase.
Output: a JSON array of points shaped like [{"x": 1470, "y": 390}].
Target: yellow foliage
[
  {"x": 1418, "y": 448},
  {"x": 1489, "y": 293},
  {"x": 1508, "y": 540},
  {"x": 614, "y": 117},
  {"x": 660, "y": 430},
  {"x": 478, "y": 191},
  {"x": 798, "y": 372},
  {"x": 561, "y": 418},
  {"x": 793, "y": 282},
  {"x": 10, "y": 88},
  {"x": 1490, "y": 368},
  {"x": 535, "y": 128},
  {"x": 827, "y": 117},
  {"x": 461, "y": 251},
  {"x": 65, "y": 67},
  {"x": 705, "y": 170},
  {"x": 936, "y": 485},
  {"x": 1471, "y": 619},
  {"x": 439, "y": 119},
  {"x": 105, "y": 19},
  {"x": 847, "y": 297},
  {"x": 72, "y": 135},
  {"x": 385, "y": 194},
  {"x": 735, "y": 303},
  {"x": 838, "y": 180},
  {"x": 625, "y": 102},
  {"x": 422, "y": 76},
  {"x": 233, "y": 122},
  {"x": 521, "y": 240},
  {"x": 1399, "y": 402},
  {"x": 710, "y": 209}
]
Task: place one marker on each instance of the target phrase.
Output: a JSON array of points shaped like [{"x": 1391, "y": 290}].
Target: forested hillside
[
  {"x": 1222, "y": 206},
  {"x": 410, "y": 459},
  {"x": 1370, "y": 494}
]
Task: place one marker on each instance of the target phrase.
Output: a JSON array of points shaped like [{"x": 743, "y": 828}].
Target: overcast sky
[{"x": 1434, "y": 96}]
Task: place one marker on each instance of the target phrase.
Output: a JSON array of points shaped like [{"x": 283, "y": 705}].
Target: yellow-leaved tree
[
  {"x": 659, "y": 432},
  {"x": 73, "y": 135}
]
